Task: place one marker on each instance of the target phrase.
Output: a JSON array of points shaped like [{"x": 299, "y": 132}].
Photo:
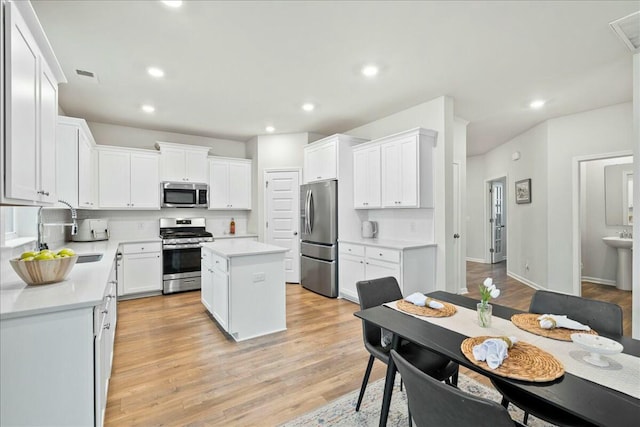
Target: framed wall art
[{"x": 523, "y": 191}]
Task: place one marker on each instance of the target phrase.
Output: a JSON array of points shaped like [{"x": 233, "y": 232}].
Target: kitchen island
[{"x": 243, "y": 287}]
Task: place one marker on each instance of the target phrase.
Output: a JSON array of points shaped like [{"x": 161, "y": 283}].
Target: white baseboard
[
  {"x": 598, "y": 281},
  {"x": 480, "y": 260},
  {"x": 525, "y": 281}
]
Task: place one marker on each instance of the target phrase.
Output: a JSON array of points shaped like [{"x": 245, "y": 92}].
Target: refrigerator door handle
[
  {"x": 306, "y": 213},
  {"x": 310, "y": 218}
]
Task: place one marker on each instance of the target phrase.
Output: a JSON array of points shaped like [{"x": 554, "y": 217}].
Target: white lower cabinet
[
  {"x": 215, "y": 287},
  {"x": 55, "y": 367},
  {"x": 245, "y": 293},
  {"x": 412, "y": 266},
  {"x": 141, "y": 267}
]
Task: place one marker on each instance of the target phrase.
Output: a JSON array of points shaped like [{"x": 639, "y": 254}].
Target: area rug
[{"x": 341, "y": 412}]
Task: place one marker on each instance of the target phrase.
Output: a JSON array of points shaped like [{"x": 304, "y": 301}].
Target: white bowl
[
  {"x": 45, "y": 271},
  {"x": 596, "y": 346}
]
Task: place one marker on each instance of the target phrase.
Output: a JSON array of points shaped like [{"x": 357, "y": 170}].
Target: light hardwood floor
[{"x": 174, "y": 367}]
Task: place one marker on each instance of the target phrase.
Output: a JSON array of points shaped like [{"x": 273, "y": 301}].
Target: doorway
[
  {"x": 282, "y": 210},
  {"x": 602, "y": 208},
  {"x": 497, "y": 220}
]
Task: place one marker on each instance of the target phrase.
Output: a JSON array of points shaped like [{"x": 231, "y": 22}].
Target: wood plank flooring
[{"x": 174, "y": 367}]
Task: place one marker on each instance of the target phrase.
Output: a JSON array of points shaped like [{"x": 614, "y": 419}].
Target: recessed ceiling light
[
  {"x": 537, "y": 104},
  {"x": 172, "y": 3},
  {"x": 155, "y": 72},
  {"x": 370, "y": 70},
  {"x": 148, "y": 108},
  {"x": 270, "y": 129},
  {"x": 308, "y": 106}
]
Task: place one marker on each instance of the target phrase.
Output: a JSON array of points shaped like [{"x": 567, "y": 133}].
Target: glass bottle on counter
[{"x": 232, "y": 227}]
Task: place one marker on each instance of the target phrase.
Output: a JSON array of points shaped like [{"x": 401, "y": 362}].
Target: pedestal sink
[{"x": 623, "y": 274}]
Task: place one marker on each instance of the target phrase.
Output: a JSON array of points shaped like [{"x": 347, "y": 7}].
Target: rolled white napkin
[
  {"x": 421, "y": 300},
  {"x": 494, "y": 350},
  {"x": 551, "y": 321}
]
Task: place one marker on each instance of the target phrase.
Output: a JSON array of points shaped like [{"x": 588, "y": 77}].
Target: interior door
[
  {"x": 497, "y": 222},
  {"x": 282, "y": 208}
]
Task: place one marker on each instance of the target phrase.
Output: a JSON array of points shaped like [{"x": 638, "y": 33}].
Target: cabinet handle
[
  {"x": 361, "y": 262},
  {"x": 107, "y": 326},
  {"x": 104, "y": 311},
  {"x": 44, "y": 193},
  {"x": 380, "y": 254},
  {"x": 113, "y": 282}
]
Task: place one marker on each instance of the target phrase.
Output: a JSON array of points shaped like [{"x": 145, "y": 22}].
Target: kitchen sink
[{"x": 82, "y": 258}]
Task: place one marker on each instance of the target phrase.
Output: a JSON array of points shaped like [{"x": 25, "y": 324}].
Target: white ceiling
[{"x": 234, "y": 67}]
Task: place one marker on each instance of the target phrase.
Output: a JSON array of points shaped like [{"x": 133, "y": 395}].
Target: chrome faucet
[
  {"x": 74, "y": 225},
  {"x": 626, "y": 234}
]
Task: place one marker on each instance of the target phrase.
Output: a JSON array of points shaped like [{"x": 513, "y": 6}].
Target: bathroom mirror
[{"x": 618, "y": 181}]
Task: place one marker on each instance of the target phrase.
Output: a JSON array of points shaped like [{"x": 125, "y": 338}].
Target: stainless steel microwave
[{"x": 184, "y": 195}]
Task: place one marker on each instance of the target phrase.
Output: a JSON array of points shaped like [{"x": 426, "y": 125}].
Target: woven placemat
[
  {"x": 530, "y": 323},
  {"x": 525, "y": 361},
  {"x": 446, "y": 311}
]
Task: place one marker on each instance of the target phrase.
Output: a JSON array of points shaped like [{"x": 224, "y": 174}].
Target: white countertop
[
  {"x": 230, "y": 248},
  {"x": 84, "y": 287},
  {"x": 387, "y": 243},
  {"x": 234, "y": 236}
]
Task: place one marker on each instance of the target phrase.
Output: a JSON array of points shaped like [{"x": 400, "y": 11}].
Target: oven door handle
[{"x": 184, "y": 246}]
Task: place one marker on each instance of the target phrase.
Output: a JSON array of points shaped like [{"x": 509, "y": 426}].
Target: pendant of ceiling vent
[
  {"x": 87, "y": 76},
  {"x": 628, "y": 29}
]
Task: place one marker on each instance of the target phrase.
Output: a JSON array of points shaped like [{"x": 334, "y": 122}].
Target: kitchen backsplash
[{"x": 404, "y": 224}]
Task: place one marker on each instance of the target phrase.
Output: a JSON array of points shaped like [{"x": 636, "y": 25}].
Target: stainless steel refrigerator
[{"x": 319, "y": 247}]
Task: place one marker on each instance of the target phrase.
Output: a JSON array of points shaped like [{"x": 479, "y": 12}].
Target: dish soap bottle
[{"x": 232, "y": 227}]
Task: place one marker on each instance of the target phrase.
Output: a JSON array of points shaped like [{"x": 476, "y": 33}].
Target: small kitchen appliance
[
  {"x": 91, "y": 230},
  {"x": 369, "y": 229},
  {"x": 181, "y": 246},
  {"x": 184, "y": 195}
]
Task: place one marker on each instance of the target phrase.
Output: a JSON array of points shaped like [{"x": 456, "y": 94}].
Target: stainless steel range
[{"x": 181, "y": 240}]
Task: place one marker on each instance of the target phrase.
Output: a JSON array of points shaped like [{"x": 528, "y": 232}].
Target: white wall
[
  {"x": 271, "y": 152},
  {"x": 600, "y": 131},
  {"x": 598, "y": 259},
  {"x": 125, "y": 136},
  {"x": 436, "y": 114},
  {"x": 474, "y": 214}
]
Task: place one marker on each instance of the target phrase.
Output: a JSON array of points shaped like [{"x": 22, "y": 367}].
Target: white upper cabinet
[
  {"x": 229, "y": 183},
  {"x": 366, "y": 177},
  {"x": 128, "y": 179},
  {"x": 179, "y": 162},
  {"x": 403, "y": 177},
  {"x": 329, "y": 158},
  {"x": 321, "y": 161},
  {"x": 76, "y": 177},
  {"x": 32, "y": 74},
  {"x": 400, "y": 172}
]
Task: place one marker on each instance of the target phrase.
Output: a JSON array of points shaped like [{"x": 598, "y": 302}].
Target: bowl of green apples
[{"x": 45, "y": 266}]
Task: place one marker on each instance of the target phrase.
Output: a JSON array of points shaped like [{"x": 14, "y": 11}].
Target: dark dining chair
[
  {"x": 604, "y": 317},
  {"x": 376, "y": 292},
  {"x": 432, "y": 403}
]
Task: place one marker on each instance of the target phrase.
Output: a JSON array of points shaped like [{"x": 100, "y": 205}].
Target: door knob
[
  {"x": 295, "y": 233},
  {"x": 456, "y": 236}
]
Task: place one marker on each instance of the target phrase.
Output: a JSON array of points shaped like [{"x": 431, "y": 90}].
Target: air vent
[
  {"x": 628, "y": 29},
  {"x": 87, "y": 76}
]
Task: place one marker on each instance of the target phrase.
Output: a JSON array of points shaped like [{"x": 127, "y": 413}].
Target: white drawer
[
  {"x": 348, "y": 248},
  {"x": 383, "y": 254},
  {"x": 136, "y": 248},
  {"x": 219, "y": 262}
]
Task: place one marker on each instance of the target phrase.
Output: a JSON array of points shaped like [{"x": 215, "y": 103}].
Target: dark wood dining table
[{"x": 595, "y": 404}]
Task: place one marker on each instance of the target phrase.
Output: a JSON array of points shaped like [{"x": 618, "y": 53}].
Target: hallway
[{"x": 517, "y": 295}]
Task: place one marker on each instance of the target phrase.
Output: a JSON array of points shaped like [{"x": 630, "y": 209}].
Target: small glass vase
[{"x": 484, "y": 314}]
